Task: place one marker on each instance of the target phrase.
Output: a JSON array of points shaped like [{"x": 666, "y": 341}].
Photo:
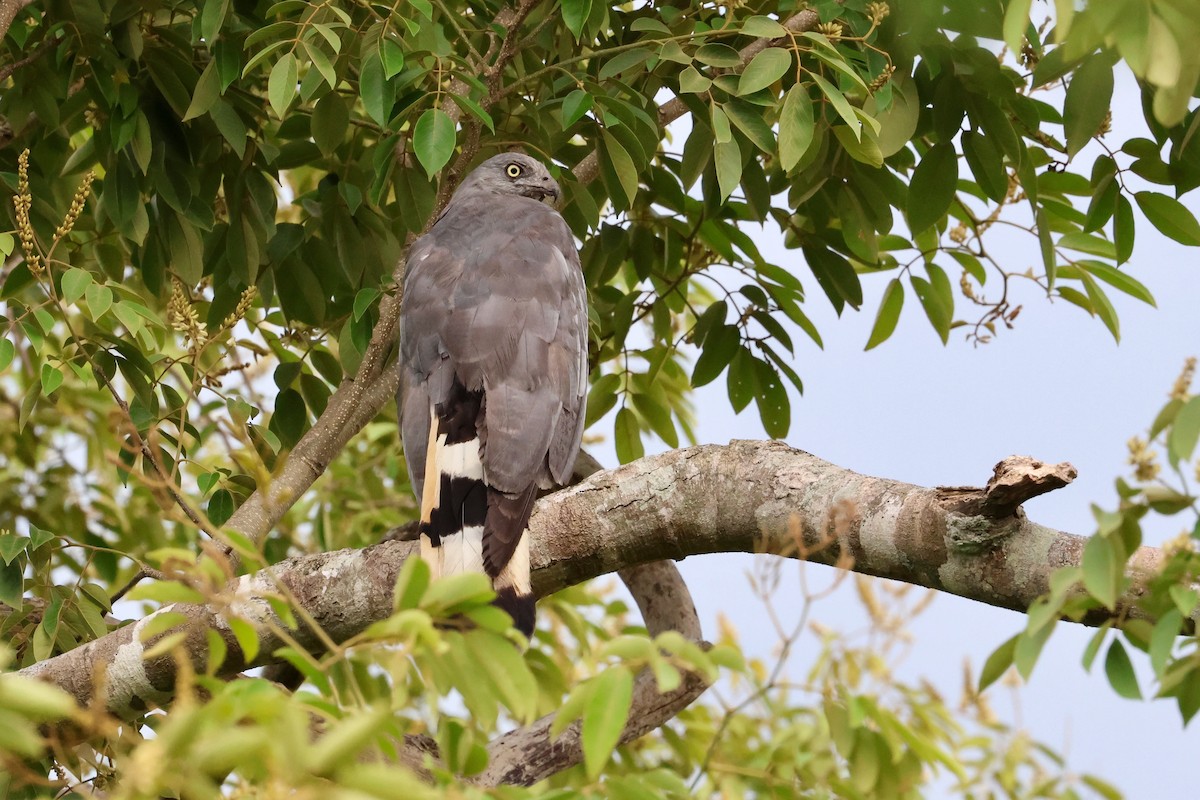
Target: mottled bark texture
[{"x": 755, "y": 497}]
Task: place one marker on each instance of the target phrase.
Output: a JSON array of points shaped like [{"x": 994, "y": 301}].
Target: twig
[
  {"x": 9, "y": 69},
  {"x": 138, "y": 577}
]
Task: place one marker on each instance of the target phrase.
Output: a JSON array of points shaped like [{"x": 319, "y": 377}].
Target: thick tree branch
[
  {"x": 8, "y": 12},
  {"x": 753, "y": 497}
]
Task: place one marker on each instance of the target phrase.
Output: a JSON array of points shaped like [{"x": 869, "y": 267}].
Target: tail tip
[{"x": 521, "y": 607}]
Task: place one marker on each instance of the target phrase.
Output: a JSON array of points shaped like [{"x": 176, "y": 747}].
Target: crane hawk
[{"x": 493, "y": 341}]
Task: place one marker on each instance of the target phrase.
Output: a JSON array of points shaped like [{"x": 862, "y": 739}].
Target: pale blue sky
[{"x": 1057, "y": 388}]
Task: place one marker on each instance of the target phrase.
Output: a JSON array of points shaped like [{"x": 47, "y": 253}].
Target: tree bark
[{"x": 753, "y": 497}]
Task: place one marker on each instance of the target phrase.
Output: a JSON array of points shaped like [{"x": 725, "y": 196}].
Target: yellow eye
[{"x": 513, "y": 170}]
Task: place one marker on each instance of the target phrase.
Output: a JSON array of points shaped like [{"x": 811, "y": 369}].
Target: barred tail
[{"x": 467, "y": 526}]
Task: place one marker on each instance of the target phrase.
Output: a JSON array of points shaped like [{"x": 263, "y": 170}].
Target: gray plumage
[{"x": 494, "y": 358}]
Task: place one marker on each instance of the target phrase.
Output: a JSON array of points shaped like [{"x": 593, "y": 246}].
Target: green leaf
[
  {"x": 1123, "y": 229},
  {"x": 1087, "y": 101},
  {"x": 12, "y": 584},
  {"x": 212, "y": 18},
  {"x": 230, "y": 125},
  {"x": 796, "y": 126},
  {"x": 836, "y": 275},
  {"x": 889, "y": 314},
  {"x": 1093, "y": 646},
  {"x": 391, "y": 55},
  {"x": 774, "y": 406},
  {"x": 764, "y": 69},
  {"x": 720, "y": 345},
  {"x": 718, "y": 55},
  {"x": 692, "y": 82},
  {"x": 364, "y": 300},
  {"x": 722, "y": 132},
  {"x": 1170, "y": 216},
  {"x": 1185, "y": 599},
  {"x": 1046, "y": 244},
  {"x": 7, "y": 350},
  {"x": 453, "y": 594},
  {"x": 52, "y": 378},
  {"x": 433, "y": 140},
  {"x": 575, "y": 15},
  {"x": 574, "y": 106},
  {"x": 330, "y": 120},
  {"x": 601, "y": 398},
  {"x": 987, "y": 165},
  {"x": 605, "y": 716},
  {"x": 208, "y": 90},
  {"x": 934, "y": 304},
  {"x": 840, "y": 105},
  {"x": 932, "y": 188},
  {"x": 247, "y": 638},
  {"x": 763, "y": 28},
  {"x": 506, "y": 669},
  {"x": 1162, "y": 641},
  {"x": 220, "y": 507},
  {"x": 997, "y": 663},
  {"x": 166, "y": 591},
  {"x": 748, "y": 119},
  {"x": 627, "y": 437},
  {"x": 1087, "y": 243},
  {"x": 1016, "y": 22},
  {"x": 411, "y": 584},
  {"x": 75, "y": 282},
  {"x": 728, "y": 158},
  {"x": 1102, "y": 569},
  {"x": 1101, "y": 305},
  {"x": 1119, "y": 670},
  {"x": 649, "y": 24},
  {"x": 99, "y": 299},
  {"x": 35, "y": 700},
  {"x": 281, "y": 85},
  {"x": 658, "y": 415},
  {"x": 11, "y": 546},
  {"x": 1181, "y": 441},
  {"x": 377, "y": 93},
  {"x": 623, "y": 61},
  {"x": 1117, "y": 279},
  {"x": 623, "y": 167},
  {"x": 1029, "y": 648},
  {"x": 39, "y": 537}
]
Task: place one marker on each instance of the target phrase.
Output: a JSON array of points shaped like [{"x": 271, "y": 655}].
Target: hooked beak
[{"x": 543, "y": 194}]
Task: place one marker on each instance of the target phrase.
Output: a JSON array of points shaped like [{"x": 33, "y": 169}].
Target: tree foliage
[{"x": 209, "y": 201}]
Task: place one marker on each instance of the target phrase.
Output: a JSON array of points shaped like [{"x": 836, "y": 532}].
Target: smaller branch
[
  {"x": 1014, "y": 480},
  {"x": 138, "y": 577},
  {"x": 529, "y": 755},
  {"x": 8, "y": 69},
  {"x": 663, "y": 598}
]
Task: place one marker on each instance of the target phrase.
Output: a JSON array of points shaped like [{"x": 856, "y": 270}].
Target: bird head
[{"x": 515, "y": 174}]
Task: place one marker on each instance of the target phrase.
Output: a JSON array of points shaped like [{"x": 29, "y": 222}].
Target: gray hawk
[{"x": 493, "y": 343}]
